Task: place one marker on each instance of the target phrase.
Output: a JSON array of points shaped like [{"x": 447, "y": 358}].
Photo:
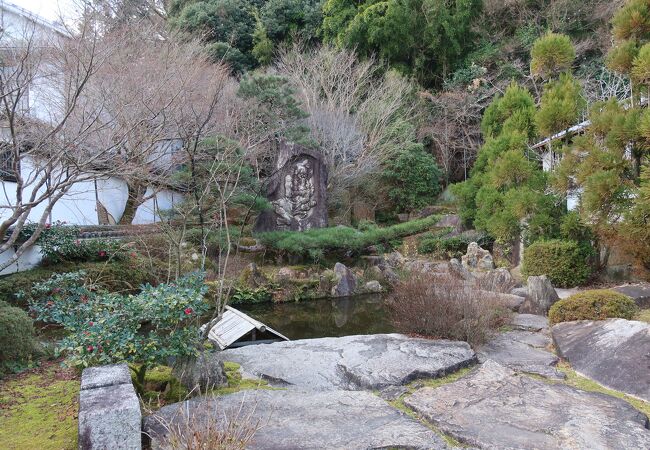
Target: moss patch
[
  {"x": 38, "y": 409},
  {"x": 580, "y": 382},
  {"x": 432, "y": 383},
  {"x": 236, "y": 383},
  {"x": 161, "y": 388},
  {"x": 643, "y": 316}
]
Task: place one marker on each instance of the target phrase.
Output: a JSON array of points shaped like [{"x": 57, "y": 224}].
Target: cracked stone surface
[
  {"x": 495, "y": 407},
  {"x": 351, "y": 362},
  {"x": 529, "y": 322},
  {"x": 614, "y": 352},
  {"x": 294, "y": 419},
  {"x": 523, "y": 351}
]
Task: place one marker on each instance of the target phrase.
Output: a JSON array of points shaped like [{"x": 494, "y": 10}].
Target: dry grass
[
  {"x": 442, "y": 306},
  {"x": 210, "y": 427}
]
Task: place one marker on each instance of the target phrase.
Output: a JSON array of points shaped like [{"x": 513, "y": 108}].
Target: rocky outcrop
[
  {"x": 614, "y": 352},
  {"x": 477, "y": 258},
  {"x": 351, "y": 362},
  {"x": 109, "y": 409},
  {"x": 540, "y": 297},
  {"x": 290, "y": 419},
  {"x": 497, "y": 408},
  {"x": 345, "y": 283}
]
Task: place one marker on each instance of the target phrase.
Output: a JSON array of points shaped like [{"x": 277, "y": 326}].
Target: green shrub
[
  {"x": 340, "y": 241},
  {"x": 17, "y": 338},
  {"x": 452, "y": 246},
  {"x": 564, "y": 262},
  {"x": 413, "y": 179},
  {"x": 124, "y": 276},
  {"x": 598, "y": 304},
  {"x": 245, "y": 295},
  {"x": 60, "y": 243}
]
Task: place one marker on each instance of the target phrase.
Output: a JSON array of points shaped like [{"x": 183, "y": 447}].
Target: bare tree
[
  {"x": 45, "y": 73},
  {"x": 158, "y": 95},
  {"x": 353, "y": 109}
]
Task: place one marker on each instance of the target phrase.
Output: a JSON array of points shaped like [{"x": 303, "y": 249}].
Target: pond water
[{"x": 366, "y": 314}]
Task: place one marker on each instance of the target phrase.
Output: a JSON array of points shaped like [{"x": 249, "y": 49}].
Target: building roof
[
  {"x": 15, "y": 9},
  {"x": 234, "y": 325}
]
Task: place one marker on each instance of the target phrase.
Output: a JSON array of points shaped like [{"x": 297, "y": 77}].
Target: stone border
[{"x": 109, "y": 410}]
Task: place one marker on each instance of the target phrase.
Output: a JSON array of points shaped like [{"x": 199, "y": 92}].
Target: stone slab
[
  {"x": 95, "y": 377},
  {"x": 293, "y": 419},
  {"x": 529, "y": 322},
  {"x": 496, "y": 408},
  {"x": 640, "y": 293},
  {"x": 613, "y": 352},
  {"x": 351, "y": 362},
  {"x": 109, "y": 418},
  {"x": 523, "y": 351}
]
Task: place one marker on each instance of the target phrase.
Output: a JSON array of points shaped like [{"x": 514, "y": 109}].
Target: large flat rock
[
  {"x": 523, "y": 351},
  {"x": 351, "y": 362},
  {"x": 613, "y": 352},
  {"x": 293, "y": 419},
  {"x": 496, "y": 408}
]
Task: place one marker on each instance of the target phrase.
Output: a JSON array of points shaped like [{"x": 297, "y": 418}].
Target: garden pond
[{"x": 344, "y": 316}]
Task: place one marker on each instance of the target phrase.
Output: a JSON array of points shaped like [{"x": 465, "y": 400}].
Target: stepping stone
[
  {"x": 293, "y": 419},
  {"x": 352, "y": 362},
  {"x": 529, "y": 322},
  {"x": 495, "y": 407},
  {"x": 613, "y": 352},
  {"x": 522, "y": 351}
]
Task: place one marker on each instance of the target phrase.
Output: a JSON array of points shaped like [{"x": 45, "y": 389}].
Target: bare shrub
[
  {"x": 442, "y": 306},
  {"x": 209, "y": 427}
]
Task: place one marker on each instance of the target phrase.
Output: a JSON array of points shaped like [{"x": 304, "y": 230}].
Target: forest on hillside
[{"x": 407, "y": 97}]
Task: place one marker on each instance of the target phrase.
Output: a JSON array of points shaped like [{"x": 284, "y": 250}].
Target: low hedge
[
  {"x": 564, "y": 262},
  {"x": 597, "y": 304},
  {"x": 319, "y": 243},
  {"x": 18, "y": 343},
  {"x": 445, "y": 246}
]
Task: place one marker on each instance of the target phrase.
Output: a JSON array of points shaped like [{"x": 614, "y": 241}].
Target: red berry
[
  {"x": 188, "y": 311},
  {"x": 90, "y": 348}
]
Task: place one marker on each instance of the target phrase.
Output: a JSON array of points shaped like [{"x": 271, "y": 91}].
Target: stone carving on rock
[{"x": 297, "y": 191}]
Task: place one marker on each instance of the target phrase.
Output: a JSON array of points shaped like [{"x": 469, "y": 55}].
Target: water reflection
[{"x": 325, "y": 318}]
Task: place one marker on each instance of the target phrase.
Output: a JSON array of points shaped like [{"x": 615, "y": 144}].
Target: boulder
[
  {"x": 351, "y": 362},
  {"x": 497, "y": 280},
  {"x": 286, "y": 274},
  {"x": 252, "y": 276},
  {"x": 459, "y": 270},
  {"x": 477, "y": 258},
  {"x": 395, "y": 260},
  {"x": 373, "y": 286},
  {"x": 639, "y": 292},
  {"x": 345, "y": 283},
  {"x": 292, "y": 419},
  {"x": 613, "y": 352},
  {"x": 201, "y": 373},
  {"x": 495, "y": 407},
  {"x": 541, "y": 295}
]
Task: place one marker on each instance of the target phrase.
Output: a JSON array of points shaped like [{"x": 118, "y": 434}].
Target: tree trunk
[{"x": 134, "y": 199}]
